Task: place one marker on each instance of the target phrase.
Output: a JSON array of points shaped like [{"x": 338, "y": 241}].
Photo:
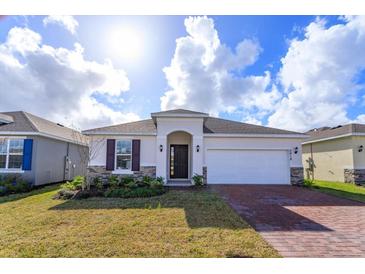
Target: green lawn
[
  {"x": 177, "y": 224},
  {"x": 344, "y": 190}
]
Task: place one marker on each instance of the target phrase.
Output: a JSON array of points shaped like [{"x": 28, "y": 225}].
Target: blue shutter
[{"x": 27, "y": 154}]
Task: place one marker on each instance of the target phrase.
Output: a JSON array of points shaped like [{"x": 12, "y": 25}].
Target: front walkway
[{"x": 299, "y": 222}]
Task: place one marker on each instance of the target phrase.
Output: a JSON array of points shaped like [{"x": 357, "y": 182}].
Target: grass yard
[
  {"x": 344, "y": 190},
  {"x": 180, "y": 223}
]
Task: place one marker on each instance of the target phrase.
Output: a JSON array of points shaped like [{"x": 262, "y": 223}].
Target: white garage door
[{"x": 247, "y": 166}]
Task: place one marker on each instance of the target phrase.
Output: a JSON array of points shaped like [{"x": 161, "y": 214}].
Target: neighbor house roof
[
  {"x": 211, "y": 126},
  {"x": 326, "y": 133},
  {"x": 25, "y": 123}
]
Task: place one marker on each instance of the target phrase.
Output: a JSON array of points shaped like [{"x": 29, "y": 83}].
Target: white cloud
[
  {"x": 58, "y": 83},
  {"x": 66, "y": 21},
  {"x": 318, "y": 75},
  {"x": 205, "y": 74}
]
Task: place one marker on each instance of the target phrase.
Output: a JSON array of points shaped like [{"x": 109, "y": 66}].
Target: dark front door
[{"x": 179, "y": 161}]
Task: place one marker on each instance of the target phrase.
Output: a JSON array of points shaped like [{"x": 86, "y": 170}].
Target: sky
[{"x": 290, "y": 72}]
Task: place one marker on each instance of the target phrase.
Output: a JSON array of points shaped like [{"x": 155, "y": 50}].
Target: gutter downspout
[
  {"x": 66, "y": 161},
  {"x": 312, "y": 161}
]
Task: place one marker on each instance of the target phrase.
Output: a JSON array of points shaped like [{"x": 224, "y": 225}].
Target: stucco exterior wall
[
  {"x": 165, "y": 126},
  {"x": 359, "y": 157},
  {"x": 330, "y": 159},
  {"x": 148, "y": 149}
]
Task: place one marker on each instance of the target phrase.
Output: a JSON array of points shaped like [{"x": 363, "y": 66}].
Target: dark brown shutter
[
  {"x": 110, "y": 154},
  {"x": 136, "y": 152}
]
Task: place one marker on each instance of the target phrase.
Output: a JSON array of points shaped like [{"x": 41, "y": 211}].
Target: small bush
[
  {"x": 156, "y": 184},
  {"x": 98, "y": 183},
  {"x": 126, "y": 180},
  {"x": 160, "y": 179},
  {"x": 113, "y": 181},
  {"x": 147, "y": 179},
  {"x": 65, "y": 194},
  {"x": 132, "y": 185},
  {"x": 308, "y": 183},
  {"x": 198, "y": 180},
  {"x": 84, "y": 194},
  {"x": 75, "y": 184},
  {"x": 141, "y": 192},
  {"x": 13, "y": 184}
]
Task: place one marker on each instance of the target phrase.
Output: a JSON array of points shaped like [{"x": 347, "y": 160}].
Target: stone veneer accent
[
  {"x": 100, "y": 171},
  {"x": 354, "y": 176},
  {"x": 205, "y": 175},
  {"x": 296, "y": 176}
]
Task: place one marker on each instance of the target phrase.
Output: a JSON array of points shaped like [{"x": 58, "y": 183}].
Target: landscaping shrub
[
  {"x": 98, "y": 183},
  {"x": 156, "y": 184},
  {"x": 113, "y": 181},
  {"x": 198, "y": 180},
  {"x": 132, "y": 185},
  {"x": 65, "y": 194},
  {"x": 75, "y": 184},
  {"x": 125, "y": 187},
  {"x": 160, "y": 179},
  {"x": 141, "y": 192},
  {"x": 126, "y": 180},
  {"x": 308, "y": 183},
  {"x": 13, "y": 184}
]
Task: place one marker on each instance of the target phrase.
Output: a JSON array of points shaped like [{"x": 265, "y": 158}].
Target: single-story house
[
  {"x": 177, "y": 144},
  {"x": 39, "y": 150},
  {"x": 335, "y": 154}
]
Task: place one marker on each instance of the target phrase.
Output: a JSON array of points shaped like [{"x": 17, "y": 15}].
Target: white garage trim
[{"x": 248, "y": 166}]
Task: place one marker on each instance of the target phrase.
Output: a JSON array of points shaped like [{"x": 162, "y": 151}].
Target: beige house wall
[
  {"x": 330, "y": 158},
  {"x": 359, "y": 157}
]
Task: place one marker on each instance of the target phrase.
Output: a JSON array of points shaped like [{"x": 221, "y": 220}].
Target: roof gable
[{"x": 179, "y": 112}]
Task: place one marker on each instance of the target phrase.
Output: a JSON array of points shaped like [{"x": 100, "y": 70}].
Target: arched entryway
[{"x": 179, "y": 163}]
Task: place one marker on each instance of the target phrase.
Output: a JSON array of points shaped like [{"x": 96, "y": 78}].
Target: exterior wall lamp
[
  {"x": 295, "y": 150},
  {"x": 197, "y": 148},
  {"x": 361, "y": 148},
  {"x": 161, "y": 148}
]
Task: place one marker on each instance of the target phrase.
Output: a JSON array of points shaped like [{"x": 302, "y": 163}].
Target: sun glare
[{"x": 126, "y": 43}]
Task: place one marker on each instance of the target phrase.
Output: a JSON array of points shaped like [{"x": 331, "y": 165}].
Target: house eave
[
  {"x": 248, "y": 135},
  {"x": 119, "y": 133},
  {"x": 208, "y": 135},
  {"x": 41, "y": 134},
  {"x": 334, "y": 137}
]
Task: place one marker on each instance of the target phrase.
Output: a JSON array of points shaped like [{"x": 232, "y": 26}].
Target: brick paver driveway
[{"x": 299, "y": 222}]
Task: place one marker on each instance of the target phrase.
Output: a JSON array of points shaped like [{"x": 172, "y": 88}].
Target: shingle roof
[
  {"x": 27, "y": 122},
  {"x": 211, "y": 125},
  {"x": 223, "y": 126},
  {"x": 327, "y": 132},
  {"x": 139, "y": 127}
]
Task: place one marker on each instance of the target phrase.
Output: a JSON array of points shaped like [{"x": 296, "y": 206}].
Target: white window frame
[
  {"x": 7, "y": 156},
  {"x": 120, "y": 170}
]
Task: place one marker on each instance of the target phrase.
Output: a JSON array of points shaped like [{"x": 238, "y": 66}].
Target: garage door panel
[{"x": 247, "y": 166}]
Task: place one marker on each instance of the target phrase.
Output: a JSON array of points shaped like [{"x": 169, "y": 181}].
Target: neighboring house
[
  {"x": 179, "y": 143},
  {"x": 40, "y": 151},
  {"x": 335, "y": 154}
]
